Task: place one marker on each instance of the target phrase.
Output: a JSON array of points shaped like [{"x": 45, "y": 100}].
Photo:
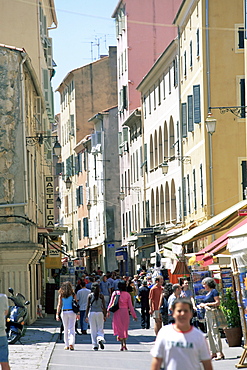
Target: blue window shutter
[
  {"x": 85, "y": 227},
  {"x": 197, "y": 103},
  {"x": 184, "y": 119},
  {"x": 190, "y": 113}
]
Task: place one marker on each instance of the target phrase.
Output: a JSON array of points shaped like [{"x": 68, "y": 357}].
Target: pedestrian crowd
[{"x": 178, "y": 343}]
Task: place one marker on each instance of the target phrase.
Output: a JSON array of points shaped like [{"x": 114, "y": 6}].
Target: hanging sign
[{"x": 49, "y": 191}]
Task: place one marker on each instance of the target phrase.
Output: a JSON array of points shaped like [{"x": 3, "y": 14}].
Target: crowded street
[{"x": 42, "y": 349}]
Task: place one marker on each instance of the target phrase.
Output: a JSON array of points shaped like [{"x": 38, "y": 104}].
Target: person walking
[
  {"x": 121, "y": 317},
  {"x": 180, "y": 345},
  {"x": 154, "y": 302},
  {"x": 143, "y": 296},
  {"x": 64, "y": 308},
  {"x": 212, "y": 301},
  {"x": 82, "y": 295},
  {"x": 176, "y": 288},
  {"x": 105, "y": 289},
  {"x": 96, "y": 315},
  {"x": 4, "y": 351}
]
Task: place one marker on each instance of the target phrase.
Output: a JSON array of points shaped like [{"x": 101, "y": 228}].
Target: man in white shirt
[
  {"x": 81, "y": 296},
  {"x": 4, "y": 353}
]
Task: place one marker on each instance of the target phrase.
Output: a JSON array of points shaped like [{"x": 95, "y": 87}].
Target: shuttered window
[
  {"x": 194, "y": 189},
  {"x": 197, "y": 104},
  {"x": 244, "y": 179},
  {"x": 242, "y": 97},
  {"x": 188, "y": 193},
  {"x": 184, "y": 120},
  {"x": 184, "y": 196},
  {"x": 85, "y": 227},
  {"x": 79, "y": 229},
  {"x": 201, "y": 185},
  {"x": 190, "y": 113},
  {"x": 241, "y": 37}
]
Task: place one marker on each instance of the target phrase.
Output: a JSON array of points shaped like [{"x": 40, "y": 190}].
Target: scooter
[{"x": 17, "y": 317}]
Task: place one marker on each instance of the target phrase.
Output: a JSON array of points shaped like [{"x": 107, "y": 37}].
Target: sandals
[
  {"x": 221, "y": 357},
  {"x": 71, "y": 348}
]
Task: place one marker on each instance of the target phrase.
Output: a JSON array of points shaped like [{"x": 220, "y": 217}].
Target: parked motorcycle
[{"x": 17, "y": 317}]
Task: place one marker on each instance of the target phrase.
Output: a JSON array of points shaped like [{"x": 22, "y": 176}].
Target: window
[
  {"x": 159, "y": 93},
  {"x": 145, "y": 106},
  {"x": 190, "y": 113},
  {"x": 175, "y": 71},
  {"x": 201, "y": 176},
  {"x": 72, "y": 125},
  {"x": 185, "y": 64},
  {"x": 164, "y": 87},
  {"x": 197, "y": 43},
  {"x": 194, "y": 189},
  {"x": 241, "y": 37},
  {"x": 184, "y": 196},
  {"x": 85, "y": 227},
  {"x": 154, "y": 91},
  {"x": 191, "y": 55},
  {"x": 184, "y": 119},
  {"x": 188, "y": 193},
  {"x": 170, "y": 84},
  {"x": 79, "y": 229},
  {"x": 242, "y": 97},
  {"x": 149, "y": 101},
  {"x": 197, "y": 103},
  {"x": 180, "y": 203}
]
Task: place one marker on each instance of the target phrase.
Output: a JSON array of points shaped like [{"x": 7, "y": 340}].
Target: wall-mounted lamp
[
  {"x": 164, "y": 167},
  {"x": 39, "y": 139},
  {"x": 58, "y": 202},
  {"x": 68, "y": 183},
  {"x": 89, "y": 205},
  {"x": 210, "y": 122},
  {"x": 121, "y": 195}
]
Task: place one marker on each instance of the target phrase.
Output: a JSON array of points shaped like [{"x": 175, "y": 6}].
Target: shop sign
[
  {"x": 147, "y": 230},
  {"x": 112, "y": 245},
  {"x": 49, "y": 192}
]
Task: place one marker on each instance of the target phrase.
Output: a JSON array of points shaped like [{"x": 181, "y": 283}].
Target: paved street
[{"x": 42, "y": 349}]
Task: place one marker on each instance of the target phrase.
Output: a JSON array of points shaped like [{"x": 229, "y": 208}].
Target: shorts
[
  {"x": 156, "y": 314},
  {"x": 4, "y": 351}
]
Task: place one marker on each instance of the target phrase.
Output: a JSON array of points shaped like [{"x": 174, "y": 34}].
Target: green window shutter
[
  {"x": 197, "y": 103},
  {"x": 190, "y": 113},
  {"x": 120, "y": 150},
  {"x": 46, "y": 85},
  {"x": 77, "y": 197},
  {"x": 59, "y": 169},
  {"x": 184, "y": 119},
  {"x": 125, "y": 97}
]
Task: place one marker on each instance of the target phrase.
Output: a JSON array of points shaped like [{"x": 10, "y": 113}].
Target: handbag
[
  {"x": 164, "y": 307},
  {"x": 115, "y": 303},
  {"x": 219, "y": 318},
  {"x": 75, "y": 306}
]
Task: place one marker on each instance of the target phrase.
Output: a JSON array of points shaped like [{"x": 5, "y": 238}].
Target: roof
[{"x": 225, "y": 219}]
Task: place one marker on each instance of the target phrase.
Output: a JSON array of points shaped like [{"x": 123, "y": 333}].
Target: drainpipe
[
  {"x": 23, "y": 127},
  {"x": 209, "y": 105}
]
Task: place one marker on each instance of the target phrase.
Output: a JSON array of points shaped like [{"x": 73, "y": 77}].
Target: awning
[
  {"x": 217, "y": 246},
  {"x": 223, "y": 221}
]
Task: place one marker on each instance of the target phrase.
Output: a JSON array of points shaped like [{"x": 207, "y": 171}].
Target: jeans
[{"x": 84, "y": 325}]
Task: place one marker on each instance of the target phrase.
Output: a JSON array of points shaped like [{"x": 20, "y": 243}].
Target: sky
[{"x": 85, "y": 30}]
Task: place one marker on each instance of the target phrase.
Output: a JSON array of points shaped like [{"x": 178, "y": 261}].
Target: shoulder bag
[
  {"x": 75, "y": 306},
  {"x": 115, "y": 303}
]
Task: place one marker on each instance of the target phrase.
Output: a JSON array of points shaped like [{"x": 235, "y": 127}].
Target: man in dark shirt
[{"x": 143, "y": 296}]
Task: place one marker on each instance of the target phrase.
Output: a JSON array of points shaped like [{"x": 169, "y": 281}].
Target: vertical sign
[{"x": 49, "y": 191}]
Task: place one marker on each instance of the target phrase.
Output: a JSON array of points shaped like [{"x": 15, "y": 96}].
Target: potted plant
[{"x": 229, "y": 307}]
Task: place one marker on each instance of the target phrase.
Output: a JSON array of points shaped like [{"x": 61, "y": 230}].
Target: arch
[
  {"x": 167, "y": 200},
  {"x": 157, "y": 207},
  {"x": 171, "y": 137},
  {"x": 155, "y": 149},
  {"x": 152, "y": 208},
  {"x": 160, "y": 147},
  {"x": 173, "y": 201},
  {"x": 162, "y": 205},
  {"x": 165, "y": 140},
  {"x": 151, "y": 152}
]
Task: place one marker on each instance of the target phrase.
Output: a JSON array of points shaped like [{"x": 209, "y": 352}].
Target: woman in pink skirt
[{"x": 121, "y": 317}]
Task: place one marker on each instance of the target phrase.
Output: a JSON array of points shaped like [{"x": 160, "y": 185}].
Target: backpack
[{"x": 164, "y": 307}]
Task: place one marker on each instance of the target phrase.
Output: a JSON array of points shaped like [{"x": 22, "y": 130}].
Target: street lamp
[
  {"x": 68, "y": 183},
  {"x": 39, "y": 139},
  {"x": 164, "y": 167},
  {"x": 58, "y": 202},
  {"x": 210, "y": 122}
]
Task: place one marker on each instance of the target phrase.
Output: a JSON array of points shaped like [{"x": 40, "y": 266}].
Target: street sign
[{"x": 242, "y": 212}]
